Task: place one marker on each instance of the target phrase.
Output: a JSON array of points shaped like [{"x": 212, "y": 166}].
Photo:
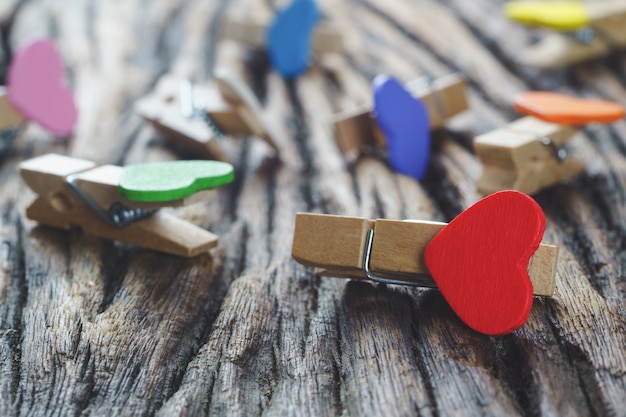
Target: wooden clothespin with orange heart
[
  {"x": 290, "y": 39},
  {"x": 585, "y": 30},
  {"x": 197, "y": 118},
  {"x": 401, "y": 120},
  {"x": 35, "y": 90},
  {"x": 530, "y": 154},
  {"x": 488, "y": 262},
  {"x": 122, "y": 204}
]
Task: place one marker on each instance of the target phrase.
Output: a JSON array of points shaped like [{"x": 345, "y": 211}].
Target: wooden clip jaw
[
  {"x": 516, "y": 157},
  {"x": 59, "y": 206},
  {"x": 596, "y": 28},
  {"x": 231, "y": 109},
  {"x": 9, "y": 116},
  {"x": 336, "y": 245},
  {"x": 357, "y": 129},
  {"x": 326, "y": 37}
]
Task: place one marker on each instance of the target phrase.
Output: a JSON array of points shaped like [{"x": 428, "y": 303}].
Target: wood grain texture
[{"x": 90, "y": 327}]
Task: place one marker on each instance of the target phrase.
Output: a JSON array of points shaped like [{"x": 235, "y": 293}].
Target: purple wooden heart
[{"x": 405, "y": 123}]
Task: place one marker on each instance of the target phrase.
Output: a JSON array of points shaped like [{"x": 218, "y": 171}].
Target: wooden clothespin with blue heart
[
  {"x": 122, "y": 204},
  {"x": 583, "y": 30},
  {"x": 290, "y": 40},
  {"x": 401, "y": 121},
  {"x": 198, "y": 117},
  {"x": 530, "y": 153},
  {"x": 488, "y": 262},
  {"x": 36, "y": 90}
]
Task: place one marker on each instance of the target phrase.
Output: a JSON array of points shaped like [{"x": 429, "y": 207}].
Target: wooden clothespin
[
  {"x": 481, "y": 261},
  {"x": 36, "y": 91},
  {"x": 289, "y": 39},
  {"x": 121, "y": 204},
  {"x": 529, "y": 154},
  {"x": 585, "y": 30},
  {"x": 197, "y": 118},
  {"x": 401, "y": 120}
]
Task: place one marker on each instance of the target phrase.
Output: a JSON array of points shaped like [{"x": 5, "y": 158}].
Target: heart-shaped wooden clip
[
  {"x": 404, "y": 122},
  {"x": 561, "y": 15},
  {"x": 172, "y": 180},
  {"x": 530, "y": 153},
  {"x": 289, "y": 38},
  {"x": 581, "y": 30},
  {"x": 36, "y": 87},
  {"x": 479, "y": 261},
  {"x": 488, "y": 262},
  {"x": 566, "y": 110}
]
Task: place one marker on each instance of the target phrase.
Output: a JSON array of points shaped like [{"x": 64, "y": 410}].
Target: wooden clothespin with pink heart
[
  {"x": 488, "y": 262},
  {"x": 122, "y": 204},
  {"x": 36, "y": 90},
  {"x": 401, "y": 121},
  {"x": 290, "y": 39},
  {"x": 529, "y": 154},
  {"x": 197, "y": 118},
  {"x": 583, "y": 30}
]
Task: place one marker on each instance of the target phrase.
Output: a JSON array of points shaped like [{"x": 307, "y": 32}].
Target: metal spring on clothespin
[
  {"x": 119, "y": 215},
  {"x": 560, "y": 151},
  {"x": 190, "y": 110}
]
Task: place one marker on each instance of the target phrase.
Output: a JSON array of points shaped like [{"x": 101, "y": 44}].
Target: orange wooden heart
[{"x": 566, "y": 110}]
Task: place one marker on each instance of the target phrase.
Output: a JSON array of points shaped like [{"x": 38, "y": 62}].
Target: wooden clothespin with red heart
[
  {"x": 488, "y": 262},
  {"x": 290, "y": 39},
  {"x": 581, "y": 30},
  {"x": 36, "y": 90},
  {"x": 401, "y": 121},
  {"x": 198, "y": 117},
  {"x": 122, "y": 204},
  {"x": 529, "y": 154}
]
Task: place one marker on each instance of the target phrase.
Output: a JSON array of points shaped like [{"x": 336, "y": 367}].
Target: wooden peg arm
[
  {"x": 326, "y": 37},
  {"x": 609, "y": 19},
  {"x": 444, "y": 98},
  {"x": 336, "y": 245},
  {"x": 247, "y": 107},
  {"x": 162, "y": 109},
  {"x": 9, "y": 116},
  {"x": 514, "y": 158}
]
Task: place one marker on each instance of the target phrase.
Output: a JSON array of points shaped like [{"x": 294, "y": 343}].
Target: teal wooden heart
[{"x": 173, "y": 180}]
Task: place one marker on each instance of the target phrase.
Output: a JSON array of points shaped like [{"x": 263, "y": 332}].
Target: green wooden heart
[{"x": 169, "y": 181}]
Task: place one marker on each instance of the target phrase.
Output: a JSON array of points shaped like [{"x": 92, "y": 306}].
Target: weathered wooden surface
[{"x": 90, "y": 327}]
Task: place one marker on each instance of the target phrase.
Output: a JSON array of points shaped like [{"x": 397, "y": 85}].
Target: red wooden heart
[{"x": 479, "y": 261}]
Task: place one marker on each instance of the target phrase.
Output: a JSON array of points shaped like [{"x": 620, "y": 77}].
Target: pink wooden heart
[
  {"x": 479, "y": 261},
  {"x": 36, "y": 88}
]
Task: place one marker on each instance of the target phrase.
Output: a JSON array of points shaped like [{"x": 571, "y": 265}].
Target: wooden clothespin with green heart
[
  {"x": 197, "y": 118},
  {"x": 121, "y": 203},
  {"x": 584, "y": 30}
]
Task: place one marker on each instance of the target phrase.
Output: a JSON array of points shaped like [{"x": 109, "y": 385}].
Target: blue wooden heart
[
  {"x": 289, "y": 37},
  {"x": 405, "y": 123}
]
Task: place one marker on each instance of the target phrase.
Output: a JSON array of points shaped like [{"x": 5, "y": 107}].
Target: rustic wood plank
[{"x": 92, "y": 327}]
